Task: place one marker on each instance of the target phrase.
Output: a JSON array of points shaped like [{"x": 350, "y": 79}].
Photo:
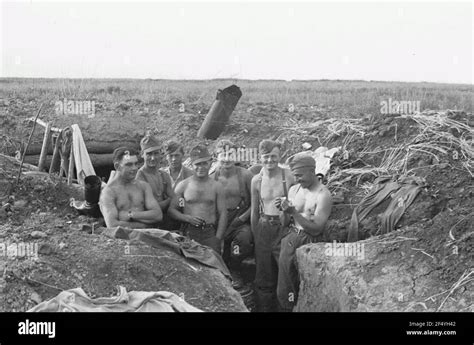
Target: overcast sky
[{"x": 393, "y": 41}]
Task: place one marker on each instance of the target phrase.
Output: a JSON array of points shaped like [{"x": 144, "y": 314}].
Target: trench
[{"x": 103, "y": 171}]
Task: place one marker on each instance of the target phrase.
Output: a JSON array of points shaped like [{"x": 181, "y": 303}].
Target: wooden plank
[
  {"x": 44, "y": 149},
  {"x": 44, "y": 124},
  {"x": 71, "y": 166},
  {"x": 56, "y": 160}
]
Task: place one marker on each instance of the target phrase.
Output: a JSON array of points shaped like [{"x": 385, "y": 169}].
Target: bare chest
[
  {"x": 131, "y": 197},
  {"x": 304, "y": 202},
  {"x": 271, "y": 188},
  {"x": 199, "y": 193},
  {"x": 231, "y": 186}
]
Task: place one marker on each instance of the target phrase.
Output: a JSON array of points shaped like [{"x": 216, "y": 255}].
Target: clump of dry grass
[
  {"x": 439, "y": 136},
  {"x": 436, "y": 134}
]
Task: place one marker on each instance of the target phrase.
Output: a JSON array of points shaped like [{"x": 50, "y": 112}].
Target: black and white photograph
[{"x": 311, "y": 157}]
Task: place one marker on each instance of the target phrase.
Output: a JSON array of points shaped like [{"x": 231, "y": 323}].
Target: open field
[
  {"x": 433, "y": 146},
  {"x": 347, "y": 97}
]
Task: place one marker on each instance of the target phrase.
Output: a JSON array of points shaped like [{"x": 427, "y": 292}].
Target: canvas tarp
[{"x": 76, "y": 300}]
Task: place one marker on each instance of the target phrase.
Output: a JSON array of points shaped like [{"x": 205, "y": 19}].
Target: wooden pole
[
  {"x": 55, "y": 161},
  {"x": 42, "y": 123},
  {"x": 71, "y": 165},
  {"x": 28, "y": 143},
  {"x": 44, "y": 149}
]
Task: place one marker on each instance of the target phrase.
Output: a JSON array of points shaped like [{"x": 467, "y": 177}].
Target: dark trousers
[
  {"x": 288, "y": 278},
  {"x": 238, "y": 242},
  {"x": 267, "y": 237},
  {"x": 204, "y": 235}
]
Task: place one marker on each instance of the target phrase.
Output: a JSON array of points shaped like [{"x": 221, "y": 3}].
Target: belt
[
  {"x": 270, "y": 218},
  {"x": 204, "y": 226}
]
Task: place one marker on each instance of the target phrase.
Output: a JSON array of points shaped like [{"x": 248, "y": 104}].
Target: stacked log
[
  {"x": 97, "y": 147},
  {"x": 97, "y": 159}
]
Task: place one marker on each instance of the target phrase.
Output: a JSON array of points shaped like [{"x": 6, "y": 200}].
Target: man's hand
[
  {"x": 277, "y": 202},
  {"x": 196, "y": 221},
  {"x": 287, "y": 207},
  {"x": 220, "y": 244}
]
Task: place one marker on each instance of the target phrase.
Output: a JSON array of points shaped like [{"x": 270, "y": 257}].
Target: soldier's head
[
  {"x": 303, "y": 168},
  {"x": 270, "y": 153},
  {"x": 126, "y": 163},
  {"x": 226, "y": 153},
  {"x": 174, "y": 154},
  {"x": 151, "y": 151},
  {"x": 200, "y": 160}
]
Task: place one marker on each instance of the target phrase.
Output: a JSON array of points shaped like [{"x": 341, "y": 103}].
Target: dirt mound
[
  {"x": 46, "y": 248},
  {"x": 426, "y": 264},
  {"x": 418, "y": 268}
]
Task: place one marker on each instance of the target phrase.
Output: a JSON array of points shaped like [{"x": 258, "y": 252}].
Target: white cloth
[
  {"x": 82, "y": 160},
  {"x": 322, "y": 155},
  {"x": 76, "y": 300}
]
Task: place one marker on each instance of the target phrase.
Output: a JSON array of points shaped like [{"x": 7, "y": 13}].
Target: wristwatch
[{"x": 130, "y": 215}]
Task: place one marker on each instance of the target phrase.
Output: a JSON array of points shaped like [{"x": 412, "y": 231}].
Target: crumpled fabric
[
  {"x": 167, "y": 240},
  {"x": 76, "y": 300},
  {"x": 82, "y": 160},
  {"x": 402, "y": 192},
  {"x": 322, "y": 155}
]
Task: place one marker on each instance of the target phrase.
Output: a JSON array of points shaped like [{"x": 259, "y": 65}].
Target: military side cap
[
  {"x": 301, "y": 160},
  {"x": 172, "y": 146},
  {"x": 149, "y": 144},
  {"x": 199, "y": 153}
]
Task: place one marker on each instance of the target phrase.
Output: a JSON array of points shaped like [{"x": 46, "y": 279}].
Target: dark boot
[
  {"x": 237, "y": 280},
  {"x": 266, "y": 301},
  {"x": 92, "y": 188}
]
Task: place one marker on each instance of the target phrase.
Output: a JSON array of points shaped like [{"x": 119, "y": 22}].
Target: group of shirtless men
[{"x": 266, "y": 211}]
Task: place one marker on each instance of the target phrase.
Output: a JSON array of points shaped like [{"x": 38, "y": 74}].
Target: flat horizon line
[{"x": 239, "y": 79}]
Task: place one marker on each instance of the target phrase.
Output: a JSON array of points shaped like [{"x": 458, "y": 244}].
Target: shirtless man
[
  {"x": 238, "y": 242},
  {"x": 268, "y": 185},
  {"x": 126, "y": 201},
  {"x": 306, "y": 211},
  {"x": 204, "y": 212},
  {"x": 159, "y": 180}
]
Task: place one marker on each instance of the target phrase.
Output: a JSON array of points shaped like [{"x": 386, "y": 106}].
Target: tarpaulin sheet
[
  {"x": 402, "y": 192},
  {"x": 167, "y": 240},
  {"x": 76, "y": 300}
]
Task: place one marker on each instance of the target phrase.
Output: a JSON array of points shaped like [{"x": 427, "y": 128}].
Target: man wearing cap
[
  {"x": 126, "y": 201},
  {"x": 150, "y": 172},
  {"x": 267, "y": 186},
  {"x": 204, "y": 212},
  {"x": 238, "y": 242},
  {"x": 174, "y": 155},
  {"x": 306, "y": 212}
]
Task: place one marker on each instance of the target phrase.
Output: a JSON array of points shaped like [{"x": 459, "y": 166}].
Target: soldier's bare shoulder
[
  {"x": 323, "y": 192},
  {"x": 109, "y": 190},
  {"x": 183, "y": 184}
]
